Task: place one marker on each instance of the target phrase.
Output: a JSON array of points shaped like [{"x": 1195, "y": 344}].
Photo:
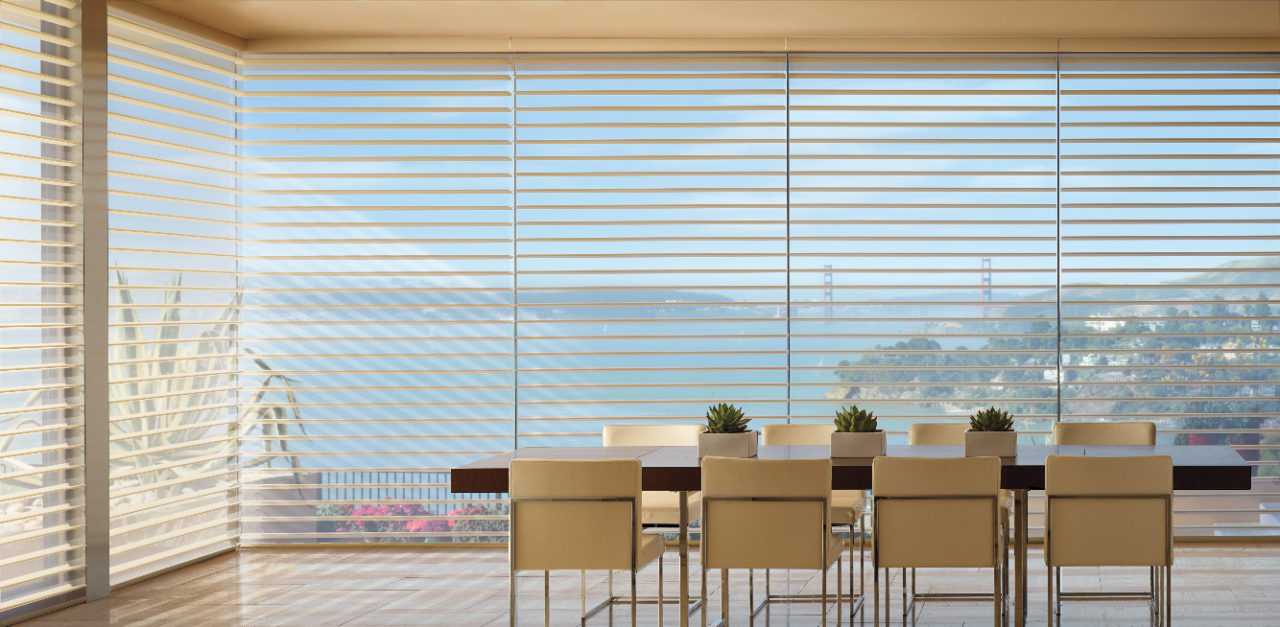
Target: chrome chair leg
[
  {"x": 1050, "y": 603},
  {"x": 1058, "y": 595},
  {"x": 839, "y": 592},
  {"x": 1155, "y": 599},
  {"x": 996, "y": 596},
  {"x": 824, "y": 597},
  {"x": 724, "y": 596},
  {"x": 546, "y": 597},
  {"x": 511, "y": 587},
  {"x": 875, "y": 596},
  {"x": 862, "y": 556},
  {"x": 633, "y": 601},
  {"x": 660, "y": 606},
  {"x": 703, "y": 571},
  {"x": 888, "y": 592}
]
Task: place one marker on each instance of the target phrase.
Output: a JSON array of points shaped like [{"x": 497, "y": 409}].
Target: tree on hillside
[
  {"x": 1219, "y": 309},
  {"x": 1261, "y": 309}
]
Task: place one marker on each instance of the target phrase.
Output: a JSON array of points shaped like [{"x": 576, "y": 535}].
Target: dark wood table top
[{"x": 675, "y": 468}]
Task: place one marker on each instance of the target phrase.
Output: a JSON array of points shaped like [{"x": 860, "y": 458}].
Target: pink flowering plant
[{"x": 370, "y": 519}]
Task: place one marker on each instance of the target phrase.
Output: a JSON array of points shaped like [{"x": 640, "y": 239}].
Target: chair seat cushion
[
  {"x": 663, "y": 508},
  {"x": 651, "y": 548},
  {"x": 847, "y": 506}
]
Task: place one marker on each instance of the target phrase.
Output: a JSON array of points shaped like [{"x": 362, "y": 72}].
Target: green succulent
[
  {"x": 852, "y": 419},
  {"x": 725, "y": 418},
  {"x": 991, "y": 420}
]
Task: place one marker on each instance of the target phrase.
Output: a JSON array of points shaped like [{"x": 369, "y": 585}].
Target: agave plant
[
  {"x": 725, "y": 418},
  {"x": 170, "y": 431},
  {"x": 991, "y": 420},
  {"x": 852, "y": 419}
]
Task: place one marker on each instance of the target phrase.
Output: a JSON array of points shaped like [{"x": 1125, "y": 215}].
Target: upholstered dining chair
[
  {"x": 937, "y": 513},
  {"x": 937, "y": 433},
  {"x": 1110, "y": 511},
  {"x": 1105, "y": 433},
  {"x": 768, "y": 513},
  {"x": 952, "y": 434},
  {"x": 848, "y": 507},
  {"x": 597, "y": 503},
  {"x": 661, "y": 509}
]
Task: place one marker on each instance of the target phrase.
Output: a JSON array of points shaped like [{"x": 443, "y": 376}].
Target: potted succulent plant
[
  {"x": 991, "y": 434},
  {"x": 857, "y": 434},
  {"x": 727, "y": 434}
]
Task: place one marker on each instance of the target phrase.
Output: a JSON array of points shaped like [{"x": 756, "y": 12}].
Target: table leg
[
  {"x": 1020, "y": 503},
  {"x": 684, "y": 559}
]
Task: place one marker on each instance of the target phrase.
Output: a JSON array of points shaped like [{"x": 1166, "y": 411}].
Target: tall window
[
  {"x": 1170, "y": 259},
  {"x": 175, "y": 298},
  {"x": 378, "y": 281},
  {"x": 41, "y": 314}
]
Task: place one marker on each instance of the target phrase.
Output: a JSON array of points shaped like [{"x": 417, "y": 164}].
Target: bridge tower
[{"x": 985, "y": 295}]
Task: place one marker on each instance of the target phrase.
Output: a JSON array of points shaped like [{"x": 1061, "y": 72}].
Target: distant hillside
[
  {"x": 1234, "y": 284},
  {"x": 1231, "y": 278}
]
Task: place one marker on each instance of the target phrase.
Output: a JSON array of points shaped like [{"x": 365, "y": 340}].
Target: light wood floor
[{"x": 1214, "y": 585}]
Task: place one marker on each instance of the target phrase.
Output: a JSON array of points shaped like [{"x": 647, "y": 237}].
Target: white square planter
[
  {"x": 990, "y": 443},
  {"x": 727, "y": 444},
  {"x": 865, "y": 444}
]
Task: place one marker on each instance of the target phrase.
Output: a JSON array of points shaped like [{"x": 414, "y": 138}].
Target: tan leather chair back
[
  {"x": 792, "y": 435},
  {"x": 764, "y": 533},
  {"x": 924, "y": 518},
  {"x": 652, "y": 435},
  {"x": 551, "y": 529},
  {"x": 937, "y": 433},
  {"x": 1105, "y": 433},
  {"x": 1089, "y": 526}
]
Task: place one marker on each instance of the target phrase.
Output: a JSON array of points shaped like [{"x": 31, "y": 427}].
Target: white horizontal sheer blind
[
  {"x": 1170, "y": 262},
  {"x": 651, "y": 241},
  {"x": 448, "y": 256},
  {"x": 175, "y": 300},
  {"x": 378, "y": 290},
  {"x": 923, "y": 238},
  {"x": 41, "y": 313}
]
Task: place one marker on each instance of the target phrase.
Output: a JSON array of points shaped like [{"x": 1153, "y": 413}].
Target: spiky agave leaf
[
  {"x": 33, "y": 481},
  {"x": 852, "y": 419},
  {"x": 274, "y": 424},
  {"x": 991, "y": 420},
  {"x": 726, "y": 418}
]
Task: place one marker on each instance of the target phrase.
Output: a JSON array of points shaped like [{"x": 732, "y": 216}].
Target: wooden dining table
[{"x": 676, "y": 469}]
